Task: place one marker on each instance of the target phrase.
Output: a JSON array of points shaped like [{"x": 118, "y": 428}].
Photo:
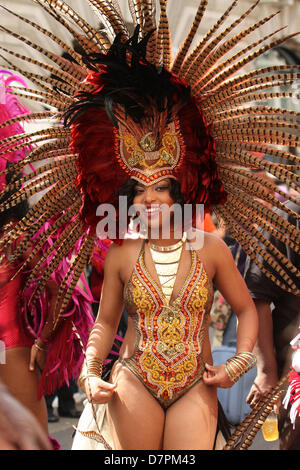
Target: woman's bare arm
[
  {"x": 106, "y": 324},
  {"x": 231, "y": 284},
  {"x": 110, "y": 308},
  {"x": 267, "y": 373}
]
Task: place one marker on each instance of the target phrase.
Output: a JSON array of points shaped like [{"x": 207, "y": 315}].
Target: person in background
[
  {"x": 19, "y": 429},
  {"x": 66, "y": 403},
  {"x": 37, "y": 357},
  {"x": 279, "y": 317}
]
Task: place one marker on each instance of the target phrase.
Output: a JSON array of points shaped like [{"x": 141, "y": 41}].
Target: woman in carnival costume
[{"x": 159, "y": 132}]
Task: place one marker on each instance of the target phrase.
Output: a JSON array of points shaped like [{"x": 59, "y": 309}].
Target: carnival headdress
[
  {"x": 135, "y": 111},
  {"x": 139, "y": 121}
]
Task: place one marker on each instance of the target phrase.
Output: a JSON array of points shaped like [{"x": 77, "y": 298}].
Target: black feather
[{"x": 129, "y": 80}]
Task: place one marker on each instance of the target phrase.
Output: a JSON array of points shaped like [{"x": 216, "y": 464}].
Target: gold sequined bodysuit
[{"x": 169, "y": 338}]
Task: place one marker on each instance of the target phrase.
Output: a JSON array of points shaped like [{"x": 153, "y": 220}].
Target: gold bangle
[
  {"x": 239, "y": 364},
  {"x": 81, "y": 382},
  {"x": 94, "y": 367},
  {"x": 39, "y": 347},
  {"x": 82, "y": 376},
  {"x": 233, "y": 375},
  {"x": 91, "y": 368}
]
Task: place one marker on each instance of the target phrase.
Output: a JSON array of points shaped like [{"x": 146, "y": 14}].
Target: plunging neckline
[{"x": 157, "y": 284}]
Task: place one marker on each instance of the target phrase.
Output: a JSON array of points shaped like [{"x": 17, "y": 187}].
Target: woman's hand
[
  {"x": 217, "y": 376},
  {"x": 38, "y": 355},
  {"x": 98, "y": 391},
  {"x": 263, "y": 384}
]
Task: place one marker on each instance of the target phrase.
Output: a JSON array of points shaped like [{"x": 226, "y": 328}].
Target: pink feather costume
[{"x": 20, "y": 322}]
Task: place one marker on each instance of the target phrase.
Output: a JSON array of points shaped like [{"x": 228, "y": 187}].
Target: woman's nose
[{"x": 149, "y": 196}]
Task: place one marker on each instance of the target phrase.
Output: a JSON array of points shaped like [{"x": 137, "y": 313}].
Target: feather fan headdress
[{"x": 134, "y": 110}]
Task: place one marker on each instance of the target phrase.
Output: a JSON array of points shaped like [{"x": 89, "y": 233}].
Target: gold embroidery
[
  {"x": 147, "y": 142},
  {"x": 168, "y": 354},
  {"x": 144, "y": 154}
]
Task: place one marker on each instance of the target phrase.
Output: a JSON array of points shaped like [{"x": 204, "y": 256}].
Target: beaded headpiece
[
  {"x": 127, "y": 108},
  {"x": 139, "y": 121},
  {"x": 144, "y": 159}
]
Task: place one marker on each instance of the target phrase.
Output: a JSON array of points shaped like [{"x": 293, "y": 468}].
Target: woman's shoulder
[
  {"x": 214, "y": 241},
  {"x": 211, "y": 244},
  {"x": 201, "y": 239},
  {"x": 120, "y": 252}
]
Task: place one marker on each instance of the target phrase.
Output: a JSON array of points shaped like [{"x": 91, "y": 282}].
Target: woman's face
[{"x": 153, "y": 203}]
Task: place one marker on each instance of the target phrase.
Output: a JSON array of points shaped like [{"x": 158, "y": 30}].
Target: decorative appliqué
[{"x": 169, "y": 352}]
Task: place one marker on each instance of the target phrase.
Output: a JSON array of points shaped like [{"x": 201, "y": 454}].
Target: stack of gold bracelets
[
  {"x": 91, "y": 368},
  {"x": 239, "y": 364}
]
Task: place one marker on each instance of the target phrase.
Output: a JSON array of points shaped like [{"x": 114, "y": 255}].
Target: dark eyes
[{"x": 158, "y": 188}]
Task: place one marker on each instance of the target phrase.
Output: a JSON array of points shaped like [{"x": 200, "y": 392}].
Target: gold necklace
[
  {"x": 169, "y": 247},
  {"x": 166, "y": 264}
]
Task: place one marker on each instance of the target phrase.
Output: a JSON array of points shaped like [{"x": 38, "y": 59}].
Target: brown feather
[{"x": 244, "y": 434}]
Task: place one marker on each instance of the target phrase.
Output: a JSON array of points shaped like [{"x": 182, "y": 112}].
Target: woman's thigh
[
  {"x": 191, "y": 422},
  {"x": 23, "y": 383},
  {"x": 136, "y": 418}
]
